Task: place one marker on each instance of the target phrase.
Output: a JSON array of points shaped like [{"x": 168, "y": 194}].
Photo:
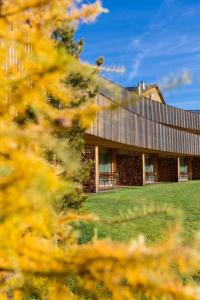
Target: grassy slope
[{"x": 185, "y": 196}]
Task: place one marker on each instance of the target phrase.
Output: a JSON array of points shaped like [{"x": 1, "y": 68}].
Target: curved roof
[{"x": 143, "y": 123}]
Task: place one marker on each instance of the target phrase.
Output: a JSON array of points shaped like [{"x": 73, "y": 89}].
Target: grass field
[{"x": 106, "y": 205}]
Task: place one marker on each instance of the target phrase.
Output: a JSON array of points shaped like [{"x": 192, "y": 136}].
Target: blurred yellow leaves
[{"x": 38, "y": 248}]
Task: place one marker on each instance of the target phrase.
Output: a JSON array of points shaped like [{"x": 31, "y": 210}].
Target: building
[{"x": 138, "y": 139}]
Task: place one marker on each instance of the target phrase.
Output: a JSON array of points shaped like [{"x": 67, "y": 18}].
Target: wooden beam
[
  {"x": 156, "y": 166},
  {"x": 114, "y": 160},
  {"x": 96, "y": 140},
  {"x": 97, "y": 168}
]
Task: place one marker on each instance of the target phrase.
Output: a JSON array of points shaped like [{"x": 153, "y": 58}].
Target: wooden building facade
[{"x": 137, "y": 140}]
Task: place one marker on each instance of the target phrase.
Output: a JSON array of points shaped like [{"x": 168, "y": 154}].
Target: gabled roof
[{"x": 148, "y": 88}]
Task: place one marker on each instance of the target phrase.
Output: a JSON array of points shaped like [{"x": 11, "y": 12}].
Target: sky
[{"x": 154, "y": 40}]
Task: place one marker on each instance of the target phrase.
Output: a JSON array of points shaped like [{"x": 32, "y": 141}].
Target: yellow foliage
[{"x": 38, "y": 248}]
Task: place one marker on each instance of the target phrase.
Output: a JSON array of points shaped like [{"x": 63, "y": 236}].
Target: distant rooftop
[{"x": 151, "y": 91}]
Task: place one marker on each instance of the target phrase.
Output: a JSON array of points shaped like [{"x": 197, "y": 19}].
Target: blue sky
[{"x": 153, "y": 40}]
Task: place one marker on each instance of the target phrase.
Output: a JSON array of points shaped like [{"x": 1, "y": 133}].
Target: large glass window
[
  {"x": 183, "y": 165},
  {"x": 105, "y": 162},
  {"x": 149, "y": 169},
  {"x": 105, "y": 168},
  {"x": 149, "y": 164}
]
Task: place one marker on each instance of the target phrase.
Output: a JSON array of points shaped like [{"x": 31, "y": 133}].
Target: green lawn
[{"x": 106, "y": 205}]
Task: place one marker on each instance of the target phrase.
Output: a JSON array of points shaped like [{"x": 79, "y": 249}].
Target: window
[
  {"x": 105, "y": 162},
  {"x": 105, "y": 169},
  {"x": 183, "y": 165},
  {"x": 149, "y": 164}
]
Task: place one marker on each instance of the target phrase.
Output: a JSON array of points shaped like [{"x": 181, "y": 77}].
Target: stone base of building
[
  {"x": 130, "y": 169},
  {"x": 167, "y": 169},
  {"x": 120, "y": 168},
  {"x": 88, "y": 157},
  {"x": 195, "y": 168}
]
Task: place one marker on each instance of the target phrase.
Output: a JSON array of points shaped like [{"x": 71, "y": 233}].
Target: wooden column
[
  {"x": 178, "y": 164},
  {"x": 143, "y": 168},
  {"x": 97, "y": 168},
  {"x": 114, "y": 160},
  {"x": 114, "y": 166},
  {"x": 156, "y": 167}
]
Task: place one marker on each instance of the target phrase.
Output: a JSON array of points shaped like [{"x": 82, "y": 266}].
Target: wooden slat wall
[
  {"x": 123, "y": 126},
  {"x": 150, "y": 109},
  {"x": 166, "y": 114}
]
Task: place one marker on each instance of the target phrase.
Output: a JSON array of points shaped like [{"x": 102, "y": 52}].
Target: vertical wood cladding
[
  {"x": 124, "y": 126},
  {"x": 167, "y": 169},
  {"x": 195, "y": 168},
  {"x": 89, "y": 155},
  {"x": 129, "y": 169}
]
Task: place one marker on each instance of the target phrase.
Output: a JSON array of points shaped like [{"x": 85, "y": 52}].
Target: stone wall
[
  {"x": 195, "y": 168},
  {"x": 167, "y": 169},
  {"x": 129, "y": 169},
  {"x": 89, "y": 185}
]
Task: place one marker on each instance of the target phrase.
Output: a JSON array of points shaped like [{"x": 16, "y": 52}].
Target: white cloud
[
  {"x": 136, "y": 65},
  {"x": 175, "y": 80},
  {"x": 136, "y": 43}
]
